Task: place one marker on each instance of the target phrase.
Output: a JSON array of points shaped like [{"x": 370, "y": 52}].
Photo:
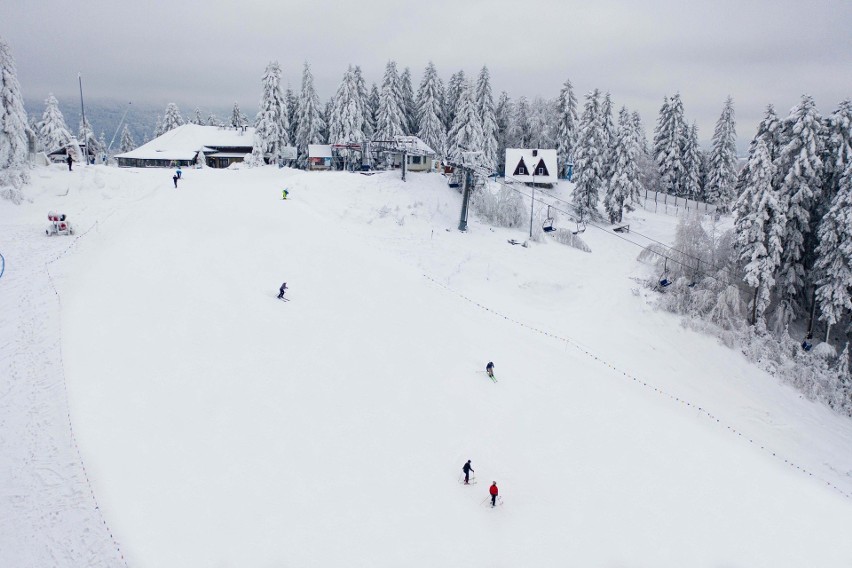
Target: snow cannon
[{"x": 58, "y": 225}]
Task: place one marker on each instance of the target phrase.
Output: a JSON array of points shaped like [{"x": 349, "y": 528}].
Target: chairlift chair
[
  {"x": 664, "y": 281},
  {"x": 581, "y": 227},
  {"x": 548, "y": 227}
]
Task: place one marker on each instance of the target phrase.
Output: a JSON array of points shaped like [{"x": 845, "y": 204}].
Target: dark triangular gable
[
  {"x": 541, "y": 169},
  {"x": 521, "y": 169}
]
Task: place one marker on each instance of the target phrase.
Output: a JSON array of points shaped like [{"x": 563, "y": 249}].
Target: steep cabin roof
[{"x": 184, "y": 142}]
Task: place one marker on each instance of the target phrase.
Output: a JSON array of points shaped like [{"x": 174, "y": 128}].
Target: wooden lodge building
[{"x": 219, "y": 146}]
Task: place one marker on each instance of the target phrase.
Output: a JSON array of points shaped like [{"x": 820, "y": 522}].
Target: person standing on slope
[
  {"x": 493, "y": 491},
  {"x": 281, "y": 291},
  {"x": 467, "y": 469},
  {"x": 489, "y": 368}
]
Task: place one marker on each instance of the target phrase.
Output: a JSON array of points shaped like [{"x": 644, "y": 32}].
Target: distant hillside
[{"x": 105, "y": 115}]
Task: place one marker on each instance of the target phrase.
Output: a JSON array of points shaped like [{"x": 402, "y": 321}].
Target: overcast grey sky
[{"x": 211, "y": 53}]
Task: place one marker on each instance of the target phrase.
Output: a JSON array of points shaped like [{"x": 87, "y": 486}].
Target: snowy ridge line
[
  {"x": 645, "y": 384},
  {"x": 67, "y": 401}
]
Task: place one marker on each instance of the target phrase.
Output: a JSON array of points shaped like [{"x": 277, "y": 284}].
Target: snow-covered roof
[
  {"x": 414, "y": 145},
  {"x": 319, "y": 151},
  {"x": 183, "y": 142}
]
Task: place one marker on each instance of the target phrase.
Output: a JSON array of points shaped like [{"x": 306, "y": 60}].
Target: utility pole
[
  {"x": 83, "y": 113},
  {"x": 532, "y": 203},
  {"x": 404, "y": 159},
  {"x": 465, "y": 199}
]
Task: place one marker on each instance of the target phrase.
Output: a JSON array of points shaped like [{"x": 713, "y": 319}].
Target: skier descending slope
[
  {"x": 489, "y": 368},
  {"x": 493, "y": 491},
  {"x": 281, "y": 291}
]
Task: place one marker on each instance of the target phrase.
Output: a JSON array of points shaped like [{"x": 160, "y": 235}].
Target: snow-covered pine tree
[
  {"x": 409, "y": 107},
  {"x": 346, "y": 124},
  {"x": 624, "y": 183},
  {"x": 668, "y": 146},
  {"x": 466, "y": 133},
  {"x": 451, "y": 98},
  {"x": 566, "y": 127},
  {"x": 589, "y": 166},
  {"x": 429, "y": 111},
  {"x": 212, "y": 120},
  {"x": 722, "y": 174},
  {"x": 311, "y": 123},
  {"x": 87, "y": 136},
  {"x": 373, "y": 104},
  {"x": 326, "y": 116},
  {"x": 271, "y": 124},
  {"x": 172, "y": 118},
  {"x": 692, "y": 164},
  {"x": 127, "y": 144},
  {"x": 541, "y": 120},
  {"x": 834, "y": 254},
  {"x": 769, "y": 131},
  {"x": 52, "y": 130},
  {"x": 292, "y": 115},
  {"x": 14, "y": 129},
  {"x": 798, "y": 176},
  {"x": 237, "y": 116},
  {"x": 838, "y": 153},
  {"x": 503, "y": 114},
  {"x": 367, "y": 123},
  {"x": 759, "y": 229},
  {"x": 158, "y": 127},
  {"x": 520, "y": 131},
  {"x": 197, "y": 117},
  {"x": 485, "y": 108},
  {"x": 391, "y": 118},
  {"x": 608, "y": 128}
]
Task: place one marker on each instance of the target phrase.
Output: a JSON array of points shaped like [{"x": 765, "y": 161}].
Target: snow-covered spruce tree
[
  {"x": 590, "y": 145},
  {"x": 451, "y": 98},
  {"x": 466, "y": 133},
  {"x": 346, "y": 125},
  {"x": 668, "y": 146},
  {"x": 172, "y": 118},
  {"x": 838, "y": 154},
  {"x": 326, "y": 117},
  {"x": 566, "y": 126},
  {"x": 834, "y": 254},
  {"x": 769, "y": 132},
  {"x": 520, "y": 132},
  {"x": 14, "y": 130},
  {"x": 485, "y": 108},
  {"x": 798, "y": 176},
  {"x": 842, "y": 399},
  {"x": 390, "y": 121},
  {"x": 503, "y": 115},
  {"x": 212, "y": 120},
  {"x": 310, "y": 120},
  {"x": 722, "y": 174},
  {"x": 409, "y": 107},
  {"x": 608, "y": 129},
  {"x": 197, "y": 118},
  {"x": 691, "y": 164},
  {"x": 368, "y": 125},
  {"x": 238, "y": 119},
  {"x": 759, "y": 226},
  {"x": 645, "y": 161},
  {"x": 271, "y": 125},
  {"x": 87, "y": 136},
  {"x": 429, "y": 111},
  {"x": 52, "y": 130},
  {"x": 624, "y": 184},
  {"x": 158, "y": 127},
  {"x": 127, "y": 144},
  {"x": 292, "y": 115},
  {"x": 373, "y": 104},
  {"x": 542, "y": 134}
]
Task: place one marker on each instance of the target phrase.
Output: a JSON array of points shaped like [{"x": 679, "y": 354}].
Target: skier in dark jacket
[
  {"x": 69, "y": 160},
  {"x": 489, "y": 368},
  {"x": 493, "y": 491},
  {"x": 281, "y": 290},
  {"x": 174, "y": 179},
  {"x": 467, "y": 469}
]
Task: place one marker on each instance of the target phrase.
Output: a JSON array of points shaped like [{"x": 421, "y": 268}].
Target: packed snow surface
[{"x": 160, "y": 407}]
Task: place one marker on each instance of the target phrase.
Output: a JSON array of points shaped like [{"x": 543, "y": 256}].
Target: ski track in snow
[{"x": 50, "y": 515}]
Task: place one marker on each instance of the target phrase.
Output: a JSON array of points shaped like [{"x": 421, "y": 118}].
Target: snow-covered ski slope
[{"x": 218, "y": 426}]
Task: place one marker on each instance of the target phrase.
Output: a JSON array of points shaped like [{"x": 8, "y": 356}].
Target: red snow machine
[{"x": 59, "y": 225}]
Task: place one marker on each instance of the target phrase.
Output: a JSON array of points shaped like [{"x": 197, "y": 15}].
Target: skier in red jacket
[{"x": 493, "y": 491}]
